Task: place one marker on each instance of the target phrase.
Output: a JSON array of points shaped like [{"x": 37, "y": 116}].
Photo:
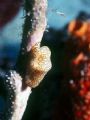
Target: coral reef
[{"x": 65, "y": 92}]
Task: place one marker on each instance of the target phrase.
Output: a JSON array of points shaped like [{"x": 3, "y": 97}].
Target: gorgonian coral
[{"x": 17, "y": 86}]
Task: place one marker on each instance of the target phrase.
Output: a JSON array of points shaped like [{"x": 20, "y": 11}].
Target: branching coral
[
  {"x": 15, "y": 99},
  {"x": 37, "y": 64}
]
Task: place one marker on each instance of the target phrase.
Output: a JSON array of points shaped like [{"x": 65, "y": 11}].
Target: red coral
[
  {"x": 80, "y": 29},
  {"x": 81, "y": 93},
  {"x": 81, "y": 65}
]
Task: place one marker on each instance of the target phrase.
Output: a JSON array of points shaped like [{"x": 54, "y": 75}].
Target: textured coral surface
[{"x": 80, "y": 66}]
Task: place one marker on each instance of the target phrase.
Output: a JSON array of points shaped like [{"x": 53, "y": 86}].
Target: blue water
[{"x": 70, "y": 8}]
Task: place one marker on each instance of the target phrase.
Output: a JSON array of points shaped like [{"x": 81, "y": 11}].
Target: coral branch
[
  {"x": 38, "y": 25},
  {"x": 33, "y": 64},
  {"x": 35, "y": 25},
  {"x": 15, "y": 97}
]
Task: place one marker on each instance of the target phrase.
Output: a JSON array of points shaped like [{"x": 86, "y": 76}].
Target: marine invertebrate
[
  {"x": 18, "y": 83},
  {"x": 80, "y": 80},
  {"x": 38, "y": 66}
]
